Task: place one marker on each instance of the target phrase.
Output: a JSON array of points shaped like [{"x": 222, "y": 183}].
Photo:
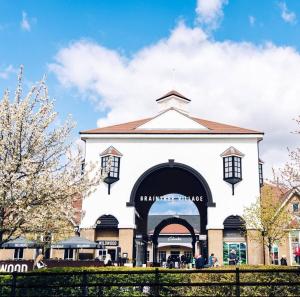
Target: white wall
[{"x": 139, "y": 154}]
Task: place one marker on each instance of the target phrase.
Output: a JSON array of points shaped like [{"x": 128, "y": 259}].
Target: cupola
[{"x": 173, "y": 99}]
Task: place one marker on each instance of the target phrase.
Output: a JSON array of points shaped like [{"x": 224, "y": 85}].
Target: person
[
  {"x": 283, "y": 261},
  {"x": 200, "y": 262},
  {"x": 211, "y": 260},
  {"x": 182, "y": 261},
  {"x": 297, "y": 254},
  {"x": 38, "y": 262},
  {"x": 232, "y": 258},
  {"x": 107, "y": 261},
  {"x": 193, "y": 262}
]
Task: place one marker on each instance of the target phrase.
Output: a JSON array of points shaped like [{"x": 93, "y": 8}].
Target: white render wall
[{"x": 203, "y": 154}]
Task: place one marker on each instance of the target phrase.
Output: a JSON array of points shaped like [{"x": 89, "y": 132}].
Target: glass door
[{"x": 240, "y": 249}]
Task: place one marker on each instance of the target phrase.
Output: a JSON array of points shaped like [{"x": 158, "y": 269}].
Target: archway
[
  {"x": 166, "y": 222},
  {"x": 161, "y": 180},
  {"x": 234, "y": 239}
]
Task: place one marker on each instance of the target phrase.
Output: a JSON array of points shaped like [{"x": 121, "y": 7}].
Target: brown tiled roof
[
  {"x": 111, "y": 151},
  {"x": 131, "y": 128},
  {"x": 173, "y": 93},
  {"x": 175, "y": 229},
  {"x": 232, "y": 151}
]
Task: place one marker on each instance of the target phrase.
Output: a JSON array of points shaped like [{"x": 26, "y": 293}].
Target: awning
[
  {"x": 75, "y": 242},
  {"x": 20, "y": 242}
]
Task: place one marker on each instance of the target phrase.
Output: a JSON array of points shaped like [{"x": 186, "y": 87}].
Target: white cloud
[
  {"x": 25, "y": 24},
  {"x": 253, "y": 86},
  {"x": 210, "y": 13},
  {"x": 4, "y": 74},
  {"x": 287, "y": 15},
  {"x": 252, "y": 20}
]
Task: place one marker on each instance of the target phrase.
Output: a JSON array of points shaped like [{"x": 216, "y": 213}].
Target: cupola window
[
  {"x": 110, "y": 164},
  {"x": 232, "y": 166}
]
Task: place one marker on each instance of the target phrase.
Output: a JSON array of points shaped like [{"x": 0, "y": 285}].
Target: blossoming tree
[{"x": 40, "y": 171}]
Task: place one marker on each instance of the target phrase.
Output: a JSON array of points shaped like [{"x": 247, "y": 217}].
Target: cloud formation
[
  {"x": 252, "y": 86},
  {"x": 210, "y": 13},
  {"x": 287, "y": 15},
  {"x": 25, "y": 24},
  {"x": 4, "y": 74},
  {"x": 252, "y": 20}
]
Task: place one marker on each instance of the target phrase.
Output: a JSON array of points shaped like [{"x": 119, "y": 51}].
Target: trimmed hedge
[{"x": 53, "y": 278}]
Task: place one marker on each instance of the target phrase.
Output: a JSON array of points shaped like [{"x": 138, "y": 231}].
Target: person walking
[
  {"x": 211, "y": 260},
  {"x": 200, "y": 262}
]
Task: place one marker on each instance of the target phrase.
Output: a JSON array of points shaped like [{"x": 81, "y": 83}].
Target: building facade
[{"x": 214, "y": 165}]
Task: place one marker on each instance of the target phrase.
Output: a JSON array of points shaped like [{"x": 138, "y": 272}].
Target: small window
[
  {"x": 148, "y": 256},
  {"x": 112, "y": 164},
  {"x": 260, "y": 172},
  {"x": 232, "y": 168},
  {"x": 69, "y": 254},
  {"x": 18, "y": 254},
  {"x": 295, "y": 207}
]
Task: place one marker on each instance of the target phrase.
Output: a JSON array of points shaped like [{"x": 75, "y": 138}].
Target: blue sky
[{"x": 107, "y": 61}]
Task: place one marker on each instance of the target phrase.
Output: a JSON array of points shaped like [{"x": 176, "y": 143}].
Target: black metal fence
[{"x": 153, "y": 282}]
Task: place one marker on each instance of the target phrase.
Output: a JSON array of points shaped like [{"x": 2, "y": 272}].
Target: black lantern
[
  {"x": 110, "y": 164},
  {"x": 232, "y": 166},
  {"x": 260, "y": 172}
]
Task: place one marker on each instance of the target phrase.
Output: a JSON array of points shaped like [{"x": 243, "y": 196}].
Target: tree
[
  {"x": 40, "y": 171},
  {"x": 268, "y": 217},
  {"x": 289, "y": 175}
]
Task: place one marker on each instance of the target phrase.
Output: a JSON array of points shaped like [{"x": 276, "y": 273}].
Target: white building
[{"x": 215, "y": 165}]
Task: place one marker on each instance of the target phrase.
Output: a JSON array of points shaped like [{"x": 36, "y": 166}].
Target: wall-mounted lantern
[
  {"x": 232, "y": 166},
  {"x": 110, "y": 164}
]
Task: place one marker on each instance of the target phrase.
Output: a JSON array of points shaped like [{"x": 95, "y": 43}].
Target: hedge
[{"x": 110, "y": 277}]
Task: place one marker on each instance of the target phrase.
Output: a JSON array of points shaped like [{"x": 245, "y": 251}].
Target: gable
[{"x": 172, "y": 120}]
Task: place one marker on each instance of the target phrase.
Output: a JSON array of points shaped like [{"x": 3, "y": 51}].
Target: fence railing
[{"x": 153, "y": 282}]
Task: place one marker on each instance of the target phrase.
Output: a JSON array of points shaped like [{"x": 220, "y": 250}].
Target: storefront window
[
  {"x": 188, "y": 254},
  {"x": 239, "y": 247},
  {"x": 69, "y": 254},
  {"x": 162, "y": 256},
  {"x": 18, "y": 254},
  {"x": 274, "y": 254},
  {"x": 295, "y": 246}
]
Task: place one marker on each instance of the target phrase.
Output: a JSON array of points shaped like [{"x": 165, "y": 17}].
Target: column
[
  {"x": 215, "y": 243},
  {"x": 126, "y": 241},
  {"x": 255, "y": 250}
]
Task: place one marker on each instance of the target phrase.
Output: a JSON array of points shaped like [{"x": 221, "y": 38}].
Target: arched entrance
[
  {"x": 166, "y": 222},
  {"x": 161, "y": 180}
]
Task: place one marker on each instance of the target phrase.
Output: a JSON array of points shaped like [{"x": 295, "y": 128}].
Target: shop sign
[
  {"x": 174, "y": 238},
  {"x": 19, "y": 266},
  {"x": 153, "y": 198},
  {"x": 108, "y": 242}
]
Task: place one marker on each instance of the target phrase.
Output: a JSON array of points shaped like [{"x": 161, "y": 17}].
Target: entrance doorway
[{"x": 162, "y": 180}]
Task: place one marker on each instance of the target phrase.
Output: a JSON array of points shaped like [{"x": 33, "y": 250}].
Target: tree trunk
[{"x": 270, "y": 252}]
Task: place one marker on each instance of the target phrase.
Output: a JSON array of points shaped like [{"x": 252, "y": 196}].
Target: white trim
[{"x": 171, "y": 136}]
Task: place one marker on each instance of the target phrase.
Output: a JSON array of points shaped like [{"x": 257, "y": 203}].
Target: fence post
[
  {"x": 13, "y": 284},
  {"x": 84, "y": 284},
  {"x": 156, "y": 280},
  {"x": 237, "y": 282}
]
